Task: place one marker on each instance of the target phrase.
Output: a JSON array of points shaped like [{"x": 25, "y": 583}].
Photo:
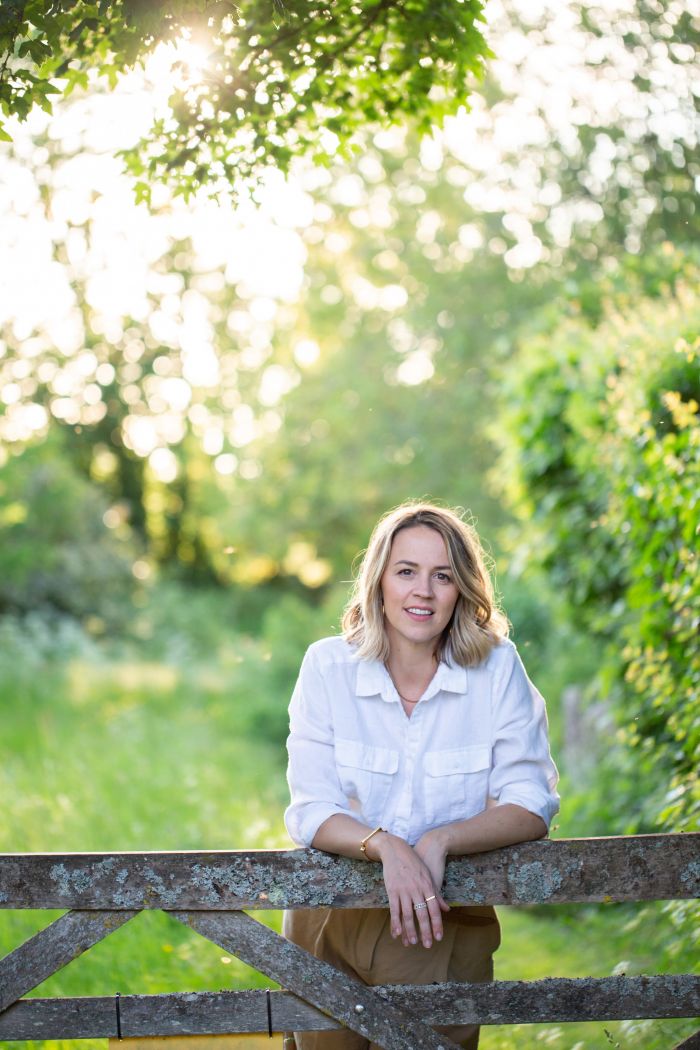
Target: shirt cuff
[
  {"x": 540, "y": 803},
  {"x": 303, "y": 820}
]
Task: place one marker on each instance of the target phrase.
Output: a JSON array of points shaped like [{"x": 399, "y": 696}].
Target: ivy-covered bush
[{"x": 601, "y": 463}]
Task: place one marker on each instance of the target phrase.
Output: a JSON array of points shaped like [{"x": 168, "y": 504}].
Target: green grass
[
  {"x": 147, "y": 755},
  {"x": 587, "y": 941},
  {"x": 135, "y": 756}
]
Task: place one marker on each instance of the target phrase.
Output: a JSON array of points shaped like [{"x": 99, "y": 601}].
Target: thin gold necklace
[{"x": 405, "y": 699}]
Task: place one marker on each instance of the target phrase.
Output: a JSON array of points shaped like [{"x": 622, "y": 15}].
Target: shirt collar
[
  {"x": 373, "y": 679},
  {"x": 450, "y": 677}
]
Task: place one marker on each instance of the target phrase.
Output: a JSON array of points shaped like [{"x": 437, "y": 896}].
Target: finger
[
  {"x": 444, "y": 906},
  {"x": 427, "y": 929},
  {"x": 409, "y": 927},
  {"x": 434, "y": 918},
  {"x": 395, "y": 924}
]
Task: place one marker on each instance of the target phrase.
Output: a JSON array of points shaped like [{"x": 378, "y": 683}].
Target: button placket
[{"x": 411, "y": 738}]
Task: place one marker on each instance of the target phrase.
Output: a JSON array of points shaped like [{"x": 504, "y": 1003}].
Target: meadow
[{"x": 176, "y": 742}]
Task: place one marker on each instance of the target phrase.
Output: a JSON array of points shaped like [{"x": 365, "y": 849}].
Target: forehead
[{"x": 419, "y": 544}]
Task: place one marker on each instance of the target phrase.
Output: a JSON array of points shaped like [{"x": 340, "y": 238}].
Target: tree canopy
[{"x": 256, "y": 84}]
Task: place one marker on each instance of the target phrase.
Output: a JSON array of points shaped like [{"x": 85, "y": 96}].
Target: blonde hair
[{"x": 476, "y": 625}]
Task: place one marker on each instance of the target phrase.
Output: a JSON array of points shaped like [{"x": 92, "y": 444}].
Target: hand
[
  {"x": 432, "y": 849},
  {"x": 409, "y": 881}
]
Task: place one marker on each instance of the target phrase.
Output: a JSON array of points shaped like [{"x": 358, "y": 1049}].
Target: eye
[
  {"x": 443, "y": 577},
  {"x": 405, "y": 572}
]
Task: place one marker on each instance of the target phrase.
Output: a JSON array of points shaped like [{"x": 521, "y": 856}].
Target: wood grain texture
[
  {"x": 342, "y": 997},
  {"x": 52, "y": 948},
  {"x": 499, "y": 1002},
  {"x": 625, "y": 868}
]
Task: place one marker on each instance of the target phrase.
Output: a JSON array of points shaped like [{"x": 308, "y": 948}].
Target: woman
[{"x": 414, "y": 736}]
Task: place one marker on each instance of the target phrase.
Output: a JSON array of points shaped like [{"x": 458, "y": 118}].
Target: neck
[
  {"x": 408, "y": 659},
  {"x": 409, "y": 669},
  {"x": 410, "y": 676}
]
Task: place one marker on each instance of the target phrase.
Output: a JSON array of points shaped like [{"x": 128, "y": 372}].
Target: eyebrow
[{"x": 414, "y": 564}]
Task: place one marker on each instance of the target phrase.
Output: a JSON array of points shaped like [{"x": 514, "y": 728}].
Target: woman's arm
[
  {"x": 495, "y": 827},
  {"x": 341, "y": 834},
  {"x": 407, "y": 877},
  {"x": 314, "y": 785},
  {"x": 413, "y": 874},
  {"x": 522, "y": 774}
]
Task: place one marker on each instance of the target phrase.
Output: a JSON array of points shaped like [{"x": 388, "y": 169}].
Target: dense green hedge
[{"x": 601, "y": 462}]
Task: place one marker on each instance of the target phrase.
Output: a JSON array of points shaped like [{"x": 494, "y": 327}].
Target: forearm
[
  {"x": 495, "y": 827},
  {"x": 343, "y": 834}
]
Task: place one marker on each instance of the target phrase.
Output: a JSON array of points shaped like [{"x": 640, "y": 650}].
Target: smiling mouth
[{"x": 425, "y": 613}]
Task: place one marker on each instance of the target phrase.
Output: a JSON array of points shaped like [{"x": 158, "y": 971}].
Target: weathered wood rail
[{"x": 209, "y": 891}]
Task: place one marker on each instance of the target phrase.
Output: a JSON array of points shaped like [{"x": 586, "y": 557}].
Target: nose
[{"x": 424, "y": 586}]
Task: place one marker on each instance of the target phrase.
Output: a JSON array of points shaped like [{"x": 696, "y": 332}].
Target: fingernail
[
  {"x": 438, "y": 936},
  {"x": 413, "y": 940}
]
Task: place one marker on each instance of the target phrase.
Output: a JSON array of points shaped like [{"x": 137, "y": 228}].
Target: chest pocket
[
  {"x": 366, "y": 774},
  {"x": 456, "y": 783}
]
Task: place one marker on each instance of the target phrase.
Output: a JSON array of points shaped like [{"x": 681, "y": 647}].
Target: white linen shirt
[{"x": 477, "y": 737}]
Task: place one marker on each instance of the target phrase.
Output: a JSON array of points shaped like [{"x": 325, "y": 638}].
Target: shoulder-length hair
[{"x": 476, "y": 625}]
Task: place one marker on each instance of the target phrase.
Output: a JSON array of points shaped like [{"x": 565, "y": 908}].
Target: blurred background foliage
[{"x": 201, "y": 424}]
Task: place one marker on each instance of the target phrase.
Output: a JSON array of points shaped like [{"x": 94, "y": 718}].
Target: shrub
[
  {"x": 601, "y": 463},
  {"x": 56, "y": 553}
]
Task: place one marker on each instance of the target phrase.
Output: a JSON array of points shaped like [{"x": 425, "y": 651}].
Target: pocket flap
[
  {"x": 457, "y": 760},
  {"x": 363, "y": 756}
]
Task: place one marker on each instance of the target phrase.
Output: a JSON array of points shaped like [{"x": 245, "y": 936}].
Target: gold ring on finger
[{"x": 433, "y": 898}]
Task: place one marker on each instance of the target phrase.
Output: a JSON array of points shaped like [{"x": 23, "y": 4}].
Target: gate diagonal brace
[
  {"x": 52, "y": 948},
  {"x": 336, "y": 994}
]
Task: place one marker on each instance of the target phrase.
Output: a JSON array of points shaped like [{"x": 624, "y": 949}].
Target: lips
[{"x": 416, "y": 612}]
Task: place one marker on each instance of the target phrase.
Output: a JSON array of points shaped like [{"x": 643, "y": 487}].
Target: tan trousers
[{"x": 358, "y": 941}]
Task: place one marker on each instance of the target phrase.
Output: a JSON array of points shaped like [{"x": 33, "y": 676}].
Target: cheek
[{"x": 390, "y": 590}]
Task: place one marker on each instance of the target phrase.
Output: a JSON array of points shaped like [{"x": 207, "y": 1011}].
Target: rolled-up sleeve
[
  {"x": 314, "y": 787},
  {"x": 523, "y": 772}
]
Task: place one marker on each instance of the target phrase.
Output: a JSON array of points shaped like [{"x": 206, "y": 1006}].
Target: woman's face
[{"x": 418, "y": 588}]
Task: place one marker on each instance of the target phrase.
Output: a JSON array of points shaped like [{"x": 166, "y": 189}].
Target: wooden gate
[{"x": 211, "y": 893}]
